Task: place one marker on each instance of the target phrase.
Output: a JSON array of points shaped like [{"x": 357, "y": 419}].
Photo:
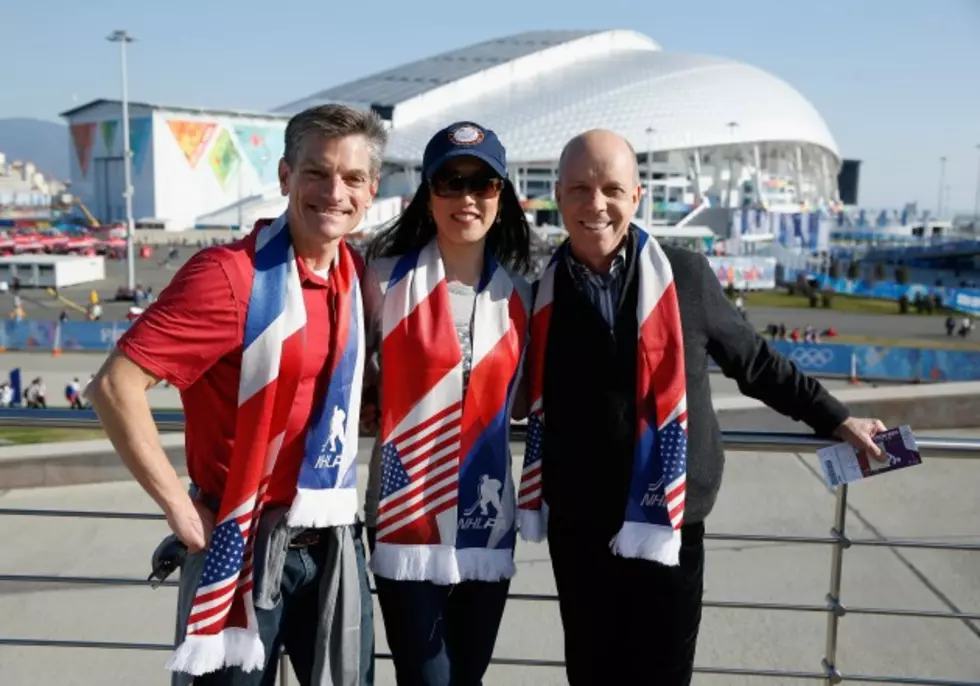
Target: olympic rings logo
[{"x": 812, "y": 358}]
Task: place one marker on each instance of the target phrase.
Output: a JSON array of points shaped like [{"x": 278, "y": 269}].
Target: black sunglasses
[{"x": 456, "y": 186}]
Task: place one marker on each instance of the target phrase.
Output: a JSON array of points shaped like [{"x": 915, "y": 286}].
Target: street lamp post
[
  {"x": 241, "y": 198},
  {"x": 648, "y": 207},
  {"x": 942, "y": 186},
  {"x": 123, "y": 38},
  {"x": 976, "y": 200},
  {"x": 732, "y": 125}
]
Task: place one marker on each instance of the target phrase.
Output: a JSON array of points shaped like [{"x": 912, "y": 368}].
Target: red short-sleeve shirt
[{"x": 192, "y": 336}]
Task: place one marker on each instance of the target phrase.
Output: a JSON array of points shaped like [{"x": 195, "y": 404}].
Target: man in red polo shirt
[{"x": 192, "y": 337}]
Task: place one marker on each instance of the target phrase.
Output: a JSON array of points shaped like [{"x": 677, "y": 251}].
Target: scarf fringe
[
  {"x": 648, "y": 542},
  {"x": 203, "y": 654},
  {"x": 323, "y": 508},
  {"x": 533, "y": 524},
  {"x": 441, "y": 564}
]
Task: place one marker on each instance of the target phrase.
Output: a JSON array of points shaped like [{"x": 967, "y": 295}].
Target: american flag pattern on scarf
[
  {"x": 447, "y": 501},
  {"x": 221, "y": 630},
  {"x": 655, "y": 506}
]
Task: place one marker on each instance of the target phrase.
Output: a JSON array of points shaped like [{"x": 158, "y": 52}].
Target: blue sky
[{"x": 896, "y": 80}]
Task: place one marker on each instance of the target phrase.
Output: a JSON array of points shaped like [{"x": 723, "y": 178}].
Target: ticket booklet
[{"x": 842, "y": 463}]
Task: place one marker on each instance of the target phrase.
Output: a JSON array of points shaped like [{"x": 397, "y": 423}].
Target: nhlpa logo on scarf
[
  {"x": 654, "y": 496},
  {"x": 333, "y": 449},
  {"x": 477, "y": 516}
]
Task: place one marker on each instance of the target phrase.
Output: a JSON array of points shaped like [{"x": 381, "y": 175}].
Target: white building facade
[{"x": 187, "y": 163}]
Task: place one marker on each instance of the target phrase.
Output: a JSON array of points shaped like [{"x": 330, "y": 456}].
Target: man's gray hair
[{"x": 336, "y": 121}]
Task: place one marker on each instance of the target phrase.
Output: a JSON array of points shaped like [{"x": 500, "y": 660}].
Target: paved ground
[
  {"x": 763, "y": 494},
  {"x": 58, "y": 371},
  {"x": 889, "y": 326},
  {"x": 151, "y": 273}
]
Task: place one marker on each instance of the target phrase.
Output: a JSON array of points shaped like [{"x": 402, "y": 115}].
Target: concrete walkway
[{"x": 763, "y": 494}]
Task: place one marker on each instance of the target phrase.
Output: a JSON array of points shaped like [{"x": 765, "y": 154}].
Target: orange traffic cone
[{"x": 56, "y": 344}]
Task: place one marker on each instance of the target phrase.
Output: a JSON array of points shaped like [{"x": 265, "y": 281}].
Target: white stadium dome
[{"x": 540, "y": 88}]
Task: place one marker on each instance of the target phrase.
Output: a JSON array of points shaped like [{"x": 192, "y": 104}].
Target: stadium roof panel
[
  {"x": 391, "y": 87},
  {"x": 559, "y": 83},
  {"x": 688, "y": 100}
]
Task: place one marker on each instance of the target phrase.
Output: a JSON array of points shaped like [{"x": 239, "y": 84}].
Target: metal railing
[{"x": 747, "y": 441}]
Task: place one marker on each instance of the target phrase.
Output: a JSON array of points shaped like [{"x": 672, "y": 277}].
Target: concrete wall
[{"x": 923, "y": 407}]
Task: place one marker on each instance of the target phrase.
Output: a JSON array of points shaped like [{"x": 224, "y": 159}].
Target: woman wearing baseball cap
[{"x": 447, "y": 314}]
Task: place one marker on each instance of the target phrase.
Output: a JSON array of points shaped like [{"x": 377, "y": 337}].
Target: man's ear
[
  {"x": 375, "y": 182},
  {"x": 284, "y": 172}
]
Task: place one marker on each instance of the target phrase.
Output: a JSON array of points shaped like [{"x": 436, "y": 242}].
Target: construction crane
[{"x": 77, "y": 202}]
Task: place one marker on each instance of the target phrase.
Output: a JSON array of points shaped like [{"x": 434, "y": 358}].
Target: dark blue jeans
[
  {"x": 292, "y": 624},
  {"x": 441, "y": 635}
]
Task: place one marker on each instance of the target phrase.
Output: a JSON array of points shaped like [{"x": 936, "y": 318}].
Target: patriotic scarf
[
  {"x": 655, "y": 507},
  {"x": 447, "y": 502},
  {"x": 222, "y": 630}
]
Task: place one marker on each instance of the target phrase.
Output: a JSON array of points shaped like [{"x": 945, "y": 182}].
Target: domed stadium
[
  {"x": 701, "y": 125},
  {"x": 708, "y": 131}
]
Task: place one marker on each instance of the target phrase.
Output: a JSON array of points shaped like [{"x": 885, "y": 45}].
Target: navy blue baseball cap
[{"x": 464, "y": 138}]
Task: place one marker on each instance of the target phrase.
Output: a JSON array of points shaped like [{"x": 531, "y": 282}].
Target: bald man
[{"x": 626, "y": 508}]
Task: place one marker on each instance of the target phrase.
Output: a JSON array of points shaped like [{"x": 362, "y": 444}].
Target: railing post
[{"x": 833, "y": 597}]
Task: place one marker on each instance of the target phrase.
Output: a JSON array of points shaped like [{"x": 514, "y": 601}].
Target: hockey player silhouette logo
[
  {"x": 487, "y": 493},
  {"x": 337, "y": 430}
]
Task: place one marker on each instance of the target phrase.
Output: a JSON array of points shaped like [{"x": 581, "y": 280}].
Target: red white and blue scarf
[
  {"x": 447, "y": 502},
  {"x": 655, "y": 507},
  {"x": 222, "y": 630}
]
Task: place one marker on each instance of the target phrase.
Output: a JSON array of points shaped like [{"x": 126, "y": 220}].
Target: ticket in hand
[{"x": 842, "y": 463}]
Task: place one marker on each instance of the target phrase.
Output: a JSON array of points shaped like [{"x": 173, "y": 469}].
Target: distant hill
[{"x": 44, "y": 143}]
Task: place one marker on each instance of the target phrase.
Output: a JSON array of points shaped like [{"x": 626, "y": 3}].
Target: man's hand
[
  {"x": 192, "y": 523},
  {"x": 859, "y": 432}
]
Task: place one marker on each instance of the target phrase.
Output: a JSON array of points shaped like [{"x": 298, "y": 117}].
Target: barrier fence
[
  {"x": 55, "y": 336},
  {"x": 965, "y": 300},
  {"x": 820, "y": 359},
  {"x": 834, "y": 608},
  {"x": 879, "y": 362},
  {"x": 882, "y": 362}
]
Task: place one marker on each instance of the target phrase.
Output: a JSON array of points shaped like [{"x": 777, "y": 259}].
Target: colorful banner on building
[
  {"x": 745, "y": 273},
  {"x": 262, "y": 147},
  {"x": 139, "y": 141},
  {"x": 192, "y": 137},
  {"x": 83, "y": 135},
  {"x": 224, "y": 158},
  {"x": 108, "y": 129}
]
